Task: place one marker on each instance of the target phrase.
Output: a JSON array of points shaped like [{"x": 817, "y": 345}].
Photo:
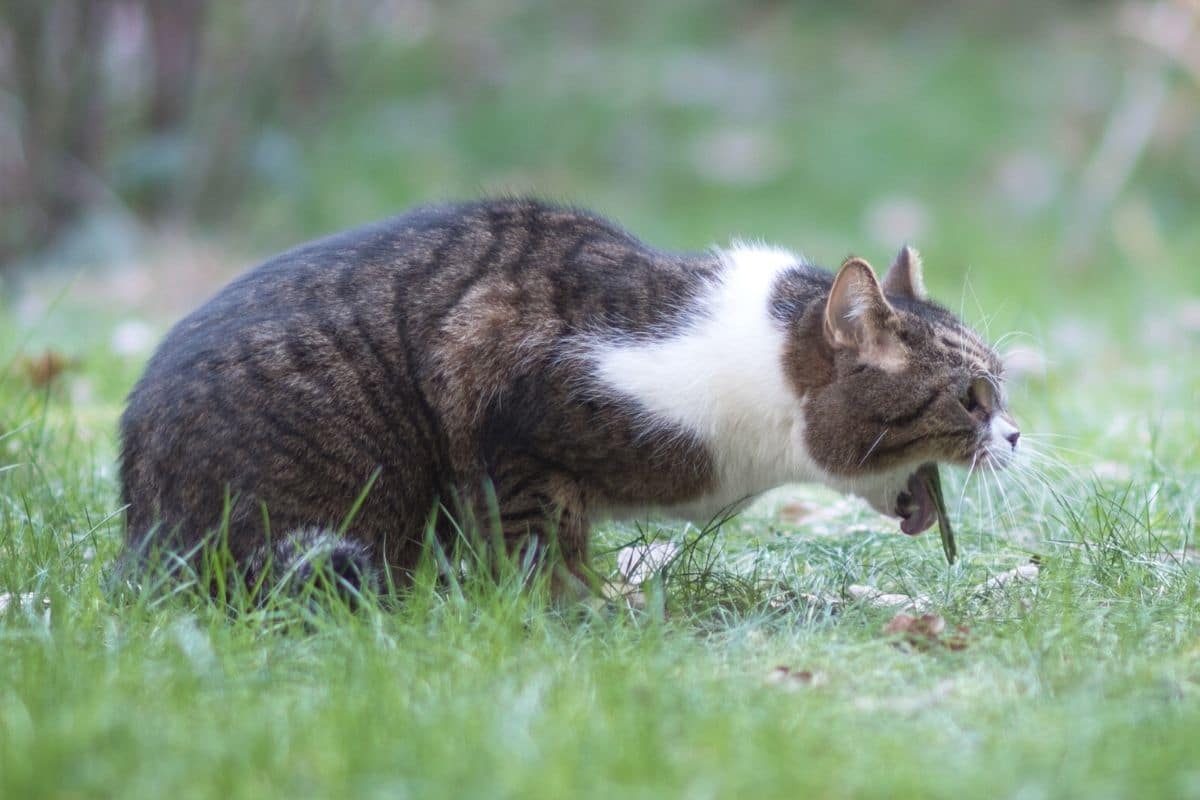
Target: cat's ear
[
  {"x": 859, "y": 318},
  {"x": 904, "y": 277}
]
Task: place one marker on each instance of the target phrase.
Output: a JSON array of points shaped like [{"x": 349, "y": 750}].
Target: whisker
[
  {"x": 1007, "y": 502},
  {"x": 1034, "y": 440},
  {"x": 1047, "y": 434},
  {"x": 1044, "y": 467},
  {"x": 966, "y": 482},
  {"x": 988, "y": 496},
  {"x": 1012, "y": 335},
  {"x": 1051, "y": 459},
  {"x": 1027, "y": 471},
  {"x": 1055, "y": 484},
  {"x": 875, "y": 444},
  {"x": 1048, "y": 449}
]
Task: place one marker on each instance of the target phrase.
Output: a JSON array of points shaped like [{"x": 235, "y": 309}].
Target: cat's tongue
[{"x": 924, "y": 515}]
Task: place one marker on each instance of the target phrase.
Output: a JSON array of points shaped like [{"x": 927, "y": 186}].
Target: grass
[{"x": 1084, "y": 683}]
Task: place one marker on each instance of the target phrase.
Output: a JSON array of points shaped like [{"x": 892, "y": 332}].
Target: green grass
[{"x": 1085, "y": 683}]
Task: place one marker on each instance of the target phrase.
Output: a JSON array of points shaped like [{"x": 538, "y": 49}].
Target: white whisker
[
  {"x": 874, "y": 444},
  {"x": 966, "y": 482}
]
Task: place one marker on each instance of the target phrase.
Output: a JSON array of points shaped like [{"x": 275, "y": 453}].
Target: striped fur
[{"x": 524, "y": 367}]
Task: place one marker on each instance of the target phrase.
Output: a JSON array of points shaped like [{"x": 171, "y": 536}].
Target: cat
[{"x": 531, "y": 368}]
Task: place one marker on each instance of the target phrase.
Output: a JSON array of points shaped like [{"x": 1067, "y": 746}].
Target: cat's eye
[
  {"x": 969, "y": 401},
  {"x": 977, "y": 398}
]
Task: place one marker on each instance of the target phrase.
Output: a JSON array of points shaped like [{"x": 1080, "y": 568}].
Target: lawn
[{"x": 756, "y": 665}]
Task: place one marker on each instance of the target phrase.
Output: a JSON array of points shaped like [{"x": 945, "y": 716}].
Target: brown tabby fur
[{"x": 435, "y": 355}]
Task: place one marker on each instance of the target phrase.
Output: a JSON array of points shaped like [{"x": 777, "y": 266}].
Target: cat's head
[{"x": 908, "y": 383}]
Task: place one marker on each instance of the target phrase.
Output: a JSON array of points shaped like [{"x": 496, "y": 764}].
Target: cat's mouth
[
  {"x": 921, "y": 503},
  {"x": 915, "y": 506}
]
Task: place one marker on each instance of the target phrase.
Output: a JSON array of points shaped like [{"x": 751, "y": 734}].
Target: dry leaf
[
  {"x": 926, "y": 631},
  {"x": 874, "y": 597},
  {"x": 788, "y": 678},
  {"x": 1023, "y": 573},
  {"x": 44, "y": 369},
  {"x": 638, "y": 563},
  {"x": 925, "y": 625},
  {"x": 795, "y": 512},
  {"x": 959, "y": 639}
]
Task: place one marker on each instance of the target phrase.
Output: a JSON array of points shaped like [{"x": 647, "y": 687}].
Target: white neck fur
[{"x": 722, "y": 380}]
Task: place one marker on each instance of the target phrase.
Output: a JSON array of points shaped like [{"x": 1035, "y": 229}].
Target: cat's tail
[{"x": 314, "y": 557}]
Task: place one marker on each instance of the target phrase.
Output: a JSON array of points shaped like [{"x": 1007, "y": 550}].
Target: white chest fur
[{"x": 722, "y": 380}]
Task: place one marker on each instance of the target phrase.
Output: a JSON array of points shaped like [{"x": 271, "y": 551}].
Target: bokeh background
[
  {"x": 1045, "y": 157},
  {"x": 1064, "y": 133}
]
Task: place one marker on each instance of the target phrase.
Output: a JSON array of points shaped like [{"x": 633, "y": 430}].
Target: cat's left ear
[
  {"x": 860, "y": 319},
  {"x": 904, "y": 277}
]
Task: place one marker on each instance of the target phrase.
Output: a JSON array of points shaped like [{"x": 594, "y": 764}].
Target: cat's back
[
  {"x": 427, "y": 261},
  {"x": 385, "y": 340}
]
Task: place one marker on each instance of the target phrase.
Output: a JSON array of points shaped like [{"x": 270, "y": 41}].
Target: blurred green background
[
  {"x": 1041, "y": 155},
  {"x": 1045, "y": 157}
]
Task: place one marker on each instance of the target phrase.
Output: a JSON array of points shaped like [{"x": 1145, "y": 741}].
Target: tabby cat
[{"x": 533, "y": 368}]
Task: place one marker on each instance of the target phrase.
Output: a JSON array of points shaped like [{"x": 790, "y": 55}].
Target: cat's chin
[{"x": 898, "y": 494}]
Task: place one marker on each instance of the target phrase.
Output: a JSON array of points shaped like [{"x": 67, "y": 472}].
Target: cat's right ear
[
  {"x": 904, "y": 277},
  {"x": 858, "y": 317}
]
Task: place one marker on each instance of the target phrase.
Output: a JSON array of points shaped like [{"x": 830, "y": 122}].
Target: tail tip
[{"x": 308, "y": 555}]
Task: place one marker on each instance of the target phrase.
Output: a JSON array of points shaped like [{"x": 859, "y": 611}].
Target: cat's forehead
[{"x": 948, "y": 340}]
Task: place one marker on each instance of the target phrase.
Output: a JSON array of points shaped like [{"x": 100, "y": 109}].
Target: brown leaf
[
  {"x": 789, "y": 678},
  {"x": 959, "y": 639},
  {"x": 795, "y": 512},
  {"x": 925, "y": 631},
  {"x": 42, "y": 370}
]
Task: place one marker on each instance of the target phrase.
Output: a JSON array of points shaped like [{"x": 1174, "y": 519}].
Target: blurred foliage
[
  {"x": 155, "y": 110},
  {"x": 1056, "y": 133}
]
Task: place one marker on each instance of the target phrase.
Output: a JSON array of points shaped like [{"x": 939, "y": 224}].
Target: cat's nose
[{"x": 1004, "y": 430}]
